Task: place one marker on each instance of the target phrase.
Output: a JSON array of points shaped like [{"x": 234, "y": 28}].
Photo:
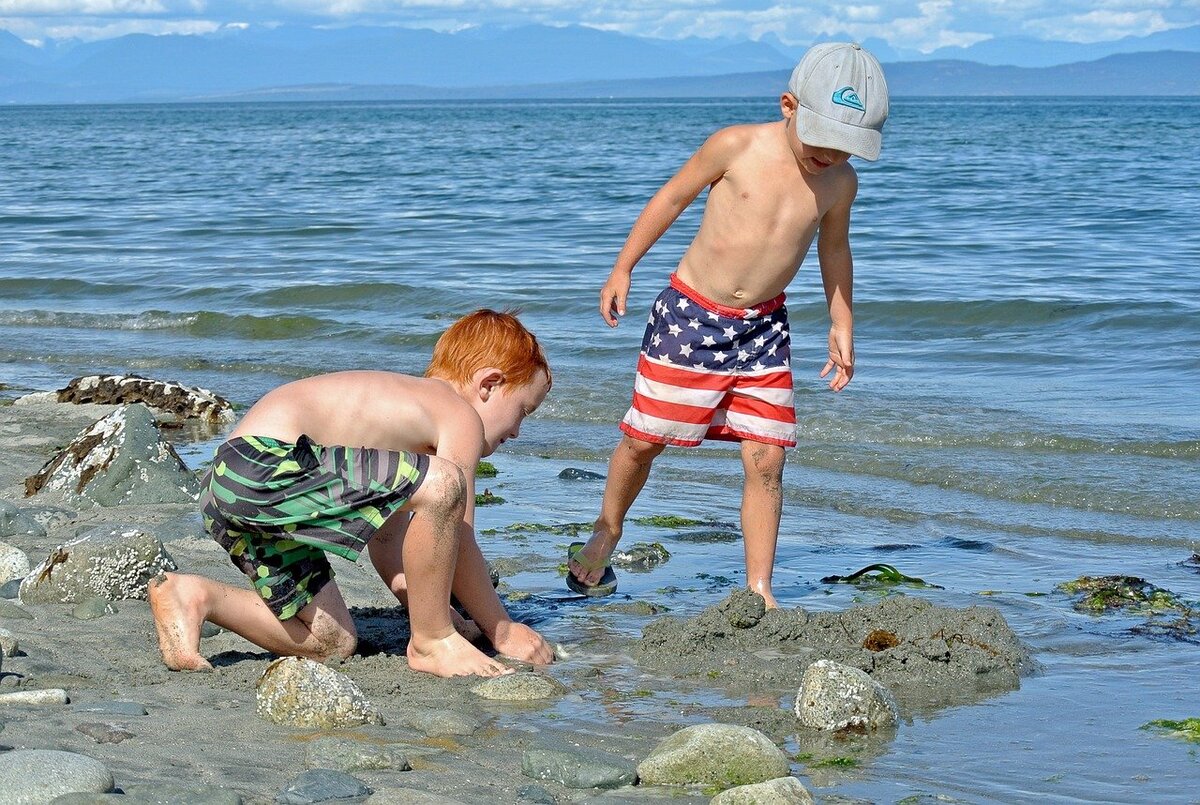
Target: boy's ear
[
  {"x": 788, "y": 104},
  {"x": 488, "y": 380}
]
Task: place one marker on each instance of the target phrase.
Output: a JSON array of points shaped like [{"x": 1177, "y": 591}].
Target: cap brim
[{"x": 819, "y": 131}]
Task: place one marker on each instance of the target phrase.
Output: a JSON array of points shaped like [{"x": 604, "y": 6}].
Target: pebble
[
  {"x": 780, "y": 791},
  {"x": 578, "y": 767},
  {"x": 714, "y": 754},
  {"x": 576, "y": 474},
  {"x": 46, "y": 696},
  {"x": 11, "y": 611},
  {"x": 323, "y": 785},
  {"x": 103, "y": 733},
  {"x": 93, "y": 607},
  {"x": 344, "y": 754},
  {"x": 11, "y": 588},
  {"x": 433, "y": 722},
  {"x": 113, "y": 708},
  {"x": 37, "y": 776}
]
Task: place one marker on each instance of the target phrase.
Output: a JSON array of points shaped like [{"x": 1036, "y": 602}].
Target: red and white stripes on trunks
[{"x": 707, "y": 371}]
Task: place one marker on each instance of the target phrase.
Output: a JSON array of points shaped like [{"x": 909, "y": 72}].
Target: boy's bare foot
[
  {"x": 765, "y": 591},
  {"x": 452, "y": 656},
  {"x": 588, "y": 563},
  {"x": 177, "y": 620}
]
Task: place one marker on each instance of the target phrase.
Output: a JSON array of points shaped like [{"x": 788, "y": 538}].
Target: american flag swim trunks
[{"x": 707, "y": 371}]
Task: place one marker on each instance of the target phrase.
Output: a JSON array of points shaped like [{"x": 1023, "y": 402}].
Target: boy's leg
[
  {"x": 181, "y": 603},
  {"x": 762, "y": 506},
  {"x": 628, "y": 470},
  {"x": 386, "y": 549},
  {"x": 427, "y": 554}
]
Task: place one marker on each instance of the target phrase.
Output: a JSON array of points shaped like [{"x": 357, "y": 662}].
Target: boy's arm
[
  {"x": 706, "y": 166},
  {"x": 472, "y": 584},
  {"x": 837, "y": 275}
]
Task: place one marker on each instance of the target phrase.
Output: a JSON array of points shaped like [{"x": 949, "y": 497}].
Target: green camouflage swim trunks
[{"x": 278, "y": 507}]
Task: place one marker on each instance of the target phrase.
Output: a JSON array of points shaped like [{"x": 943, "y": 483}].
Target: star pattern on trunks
[{"x": 684, "y": 333}]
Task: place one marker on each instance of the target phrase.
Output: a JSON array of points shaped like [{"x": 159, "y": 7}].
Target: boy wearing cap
[{"x": 715, "y": 357}]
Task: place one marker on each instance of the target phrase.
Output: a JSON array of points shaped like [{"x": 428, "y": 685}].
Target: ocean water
[{"x": 1024, "y": 409}]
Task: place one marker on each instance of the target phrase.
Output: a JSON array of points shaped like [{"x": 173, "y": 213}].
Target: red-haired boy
[{"x": 292, "y": 483}]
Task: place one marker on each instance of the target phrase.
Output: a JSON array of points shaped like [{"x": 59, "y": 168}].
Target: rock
[
  {"x": 298, "y": 692},
  {"x": 112, "y": 708},
  {"x": 13, "y": 611},
  {"x": 575, "y": 474},
  {"x": 105, "y": 562},
  {"x": 103, "y": 733},
  {"x": 519, "y": 687},
  {"x": 14, "y": 522},
  {"x": 577, "y": 767},
  {"x": 120, "y": 459},
  {"x": 323, "y": 785},
  {"x": 12, "y": 588},
  {"x": 833, "y": 696},
  {"x": 641, "y": 555},
  {"x": 535, "y": 793},
  {"x": 780, "y": 791},
  {"x": 44, "y": 696},
  {"x": 37, "y": 776},
  {"x": 168, "y": 397},
  {"x": 709, "y": 535},
  {"x": 343, "y": 754},
  {"x": 714, "y": 754},
  {"x": 93, "y": 607},
  {"x": 743, "y": 608},
  {"x": 14, "y": 564},
  {"x": 435, "y": 722},
  {"x": 8, "y": 643}
]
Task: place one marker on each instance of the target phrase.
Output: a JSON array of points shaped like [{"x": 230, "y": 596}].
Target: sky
[{"x": 922, "y": 25}]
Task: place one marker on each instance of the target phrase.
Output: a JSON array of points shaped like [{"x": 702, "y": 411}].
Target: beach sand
[{"x": 201, "y": 729}]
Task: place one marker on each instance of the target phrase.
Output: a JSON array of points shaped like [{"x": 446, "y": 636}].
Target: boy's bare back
[
  {"x": 384, "y": 410},
  {"x": 762, "y": 213}
]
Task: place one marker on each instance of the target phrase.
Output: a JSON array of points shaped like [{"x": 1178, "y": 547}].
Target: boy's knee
[
  {"x": 641, "y": 451},
  {"x": 335, "y": 642},
  {"x": 765, "y": 460}
]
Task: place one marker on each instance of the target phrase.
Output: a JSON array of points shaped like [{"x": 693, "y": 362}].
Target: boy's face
[
  {"x": 505, "y": 408},
  {"x": 812, "y": 159}
]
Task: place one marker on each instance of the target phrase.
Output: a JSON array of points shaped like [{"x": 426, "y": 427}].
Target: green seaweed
[
  {"x": 485, "y": 469},
  {"x": 488, "y": 499},
  {"x": 1097, "y": 594},
  {"x": 879, "y": 574},
  {"x": 835, "y": 762},
  {"x": 564, "y": 529},
  {"x": 668, "y": 521},
  {"x": 1188, "y": 729}
]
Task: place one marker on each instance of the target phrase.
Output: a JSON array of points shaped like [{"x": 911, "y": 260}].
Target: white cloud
[{"x": 910, "y": 24}]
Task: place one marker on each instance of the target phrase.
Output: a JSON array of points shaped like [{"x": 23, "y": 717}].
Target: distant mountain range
[{"x": 290, "y": 63}]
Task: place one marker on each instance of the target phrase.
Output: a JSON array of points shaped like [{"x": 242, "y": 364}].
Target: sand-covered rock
[
  {"x": 14, "y": 563},
  {"x": 780, "y": 791},
  {"x": 120, "y": 459},
  {"x": 926, "y": 655},
  {"x": 344, "y": 754},
  {"x": 168, "y": 397},
  {"x": 298, "y": 692},
  {"x": 105, "y": 562},
  {"x": 714, "y": 754},
  {"x": 578, "y": 767},
  {"x": 323, "y": 785},
  {"x": 833, "y": 696},
  {"x": 519, "y": 687}
]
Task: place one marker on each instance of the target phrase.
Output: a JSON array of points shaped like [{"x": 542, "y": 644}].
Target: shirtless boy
[
  {"x": 715, "y": 358},
  {"x": 294, "y": 481}
]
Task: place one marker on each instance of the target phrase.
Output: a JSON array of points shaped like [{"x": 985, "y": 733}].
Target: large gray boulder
[
  {"x": 104, "y": 562},
  {"x": 714, "y": 754},
  {"x": 833, "y": 696},
  {"x": 120, "y": 459},
  {"x": 298, "y": 692},
  {"x": 14, "y": 564}
]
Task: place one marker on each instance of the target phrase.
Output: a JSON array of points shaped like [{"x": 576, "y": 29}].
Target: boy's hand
[
  {"x": 841, "y": 355},
  {"x": 613, "y": 296},
  {"x": 517, "y": 640}
]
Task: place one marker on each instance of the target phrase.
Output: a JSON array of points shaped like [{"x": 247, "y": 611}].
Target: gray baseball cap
[{"x": 843, "y": 99}]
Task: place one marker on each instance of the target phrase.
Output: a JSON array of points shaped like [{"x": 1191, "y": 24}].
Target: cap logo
[{"x": 847, "y": 96}]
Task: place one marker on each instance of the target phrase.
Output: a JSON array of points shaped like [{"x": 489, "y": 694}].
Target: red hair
[{"x": 487, "y": 338}]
